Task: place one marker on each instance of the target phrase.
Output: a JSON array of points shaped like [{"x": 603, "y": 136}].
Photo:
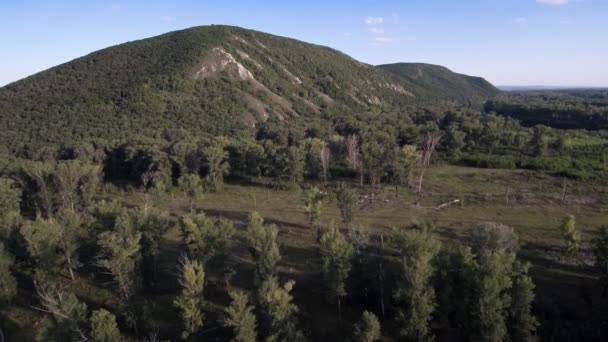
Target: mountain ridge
[{"x": 208, "y": 79}]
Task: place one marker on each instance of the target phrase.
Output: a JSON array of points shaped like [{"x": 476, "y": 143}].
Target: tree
[
  {"x": 216, "y": 164},
  {"x": 539, "y": 142},
  {"x": 152, "y": 224},
  {"x": 522, "y": 322},
  {"x": 313, "y": 202},
  {"x": 346, "y": 204},
  {"x": 8, "y": 283},
  {"x": 190, "y": 301},
  {"x": 375, "y": 154},
  {"x": 353, "y": 155},
  {"x": 404, "y": 160},
  {"x": 192, "y": 186},
  {"x": 600, "y": 252},
  {"x": 292, "y": 161},
  {"x": 429, "y": 143},
  {"x": 263, "y": 247},
  {"x": 120, "y": 255},
  {"x": 493, "y": 297},
  {"x": 205, "y": 237},
  {"x": 10, "y": 215},
  {"x": 336, "y": 253},
  {"x": 280, "y": 311},
  {"x": 417, "y": 248},
  {"x": 43, "y": 240},
  {"x": 368, "y": 330},
  {"x": 241, "y": 318},
  {"x": 41, "y": 175},
  {"x": 493, "y": 237},
  {"x": 104, "y": 327},
  {"x": 76, "y": 183},
  {"x": 65, "y": 314},
  {"x": 571, "y": 236},
  {"x": 325, "y": 154}
]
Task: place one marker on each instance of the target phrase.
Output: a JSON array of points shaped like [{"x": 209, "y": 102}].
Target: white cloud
[
  {"x": 383, "y": 40},
  {"x": 521, "y": 20},
  {"x": 167, "y": 18},
  {"x": 378, "y": 30},
  {"x": 553, "y": 2},
  {"x": 374, "y": 21}
]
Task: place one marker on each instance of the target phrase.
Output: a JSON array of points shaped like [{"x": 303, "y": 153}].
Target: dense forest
[
  {"x": 566, "y": 109},
  {"x": 118, "y": 171}
]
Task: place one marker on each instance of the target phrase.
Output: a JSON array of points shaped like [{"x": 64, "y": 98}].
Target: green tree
[
  {"x": 216, "y": 164},
  {"x": 600, "y": 252},
  {"x": 291, "y": 164},
  {"x": 65, "y": 314},
  {"x": 280, "y": 311},
  {"x": 376, "y": 154},
  {"x": 8, "y": 283},
  {"x": 76, "y": 183},
  {"x": 190, "y": 301},
  {"x": 539, "y": 141},
  {"x": 522, "y": 323},
  {"x": 264, "y": 247},
  {"x": 417, "y": 248},
  {"x": 10, "y": 197},
  {"x": 192, "y": 186},
  {"x": 205, "y": 237},
  {"x": 152, "y": 224},
  {"x": 403, "y": 162},
  {"x": 336, "y": 253},
  {"x": 240, "y": 318},
  {"x": 346, "y": 204},
  {"x": 104, "y": 327},
  {"x": 493, "y": 297},
  {"x": 120, "y": 255},
  {"x": 313, "y": 202},
  {"x": 368, "y": 330},
  {"x": 43, "y": 239},
  {"x": 571, "y": 236}
]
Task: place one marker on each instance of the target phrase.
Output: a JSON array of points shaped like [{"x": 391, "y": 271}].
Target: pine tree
[
  {"x": 8, "y": 283},
  {"x": 418, "y": 248},
  {"x": 264, "y": 247},
  {"x": 346, "y": 204},
  {"x": 522, "y": 322},
  {"x": 336, "y": 253},
  {"x": 280, "y": 311},
  {"x": 104, "y": 327},
  {"x": 205, "y": 237},
  {"x": 190, "y": 301},
  {"x": 368, "y": 330},
  {"x": 241, "y": 318},
  {"x": 571, "y": 236},
  {"x": 192, "y": 186},
  {"x": 313, "y": 202}
]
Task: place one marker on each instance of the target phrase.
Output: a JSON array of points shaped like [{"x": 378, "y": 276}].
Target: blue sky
[{"x": 509, "y": 42}]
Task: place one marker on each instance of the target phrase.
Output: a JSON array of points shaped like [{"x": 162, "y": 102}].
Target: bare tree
[
  {"x": 147, "y": 179},
  {"x": 353, "y": 154},
  {"x": 429, "y": 143},
  {"x": 325, "y": 154}
]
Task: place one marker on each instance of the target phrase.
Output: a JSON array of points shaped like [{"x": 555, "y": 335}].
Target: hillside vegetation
[{"x": 215, "y": 80}]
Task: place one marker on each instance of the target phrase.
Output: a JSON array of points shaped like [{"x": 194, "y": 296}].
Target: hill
[
  {"x": 213, "y": 80},
  {"x": 435, "y": 81}
]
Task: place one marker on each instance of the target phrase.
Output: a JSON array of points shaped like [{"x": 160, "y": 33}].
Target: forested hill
[
  {"x": 213, "y": 80},
  {"x": 429, "y": 81}
]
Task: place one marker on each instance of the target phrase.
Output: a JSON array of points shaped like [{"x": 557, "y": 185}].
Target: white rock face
[{"x": 219, "y": 60}]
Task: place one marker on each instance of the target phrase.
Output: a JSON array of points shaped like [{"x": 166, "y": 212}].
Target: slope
[
  {"x": 217, "y": 80},
  {"x": 437, "y": 82}
]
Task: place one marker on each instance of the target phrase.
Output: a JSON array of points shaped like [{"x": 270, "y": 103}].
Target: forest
[
  {"x": 108, "y": 242},
  {"x": 297, "y": 194}
]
